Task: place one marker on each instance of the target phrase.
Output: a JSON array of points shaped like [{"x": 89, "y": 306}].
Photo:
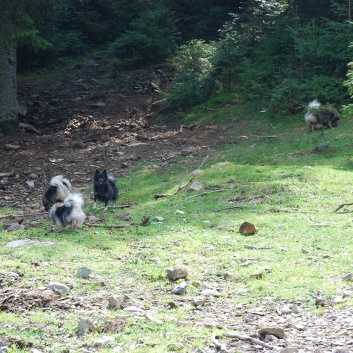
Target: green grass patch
[{"x": 267, "y": 173}]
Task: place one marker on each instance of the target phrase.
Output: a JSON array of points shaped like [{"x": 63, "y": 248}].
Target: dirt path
[{"x": 85, "y": 124}]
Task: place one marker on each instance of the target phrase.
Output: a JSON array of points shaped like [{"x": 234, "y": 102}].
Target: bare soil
[{"x": 81, "y": 124}]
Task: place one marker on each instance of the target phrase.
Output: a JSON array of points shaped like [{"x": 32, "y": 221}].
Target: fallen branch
[
  {"x": 344, "y": 204},
  {"x": 257, "y": 247},
  {"x": 266, "y": 137},
  {"x": 220, "y": 346},
  {"x": 181, "y": 187},
  {"x": 23, "y": 214},
  {"x": 247, "y": 338},
  {"x": 209, "y": 192},
  {"x": 144, "y": 223}
]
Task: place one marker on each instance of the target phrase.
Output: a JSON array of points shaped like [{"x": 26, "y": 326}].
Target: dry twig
[
  {"x": 181, "y": 187},
  {"x": 247, "y": 338},
  {"x": 344, "y": 204},
  {"x": 220, "y": 346}
]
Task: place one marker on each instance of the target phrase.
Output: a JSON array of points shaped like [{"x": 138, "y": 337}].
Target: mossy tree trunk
[{"x": 8, "y": 86}]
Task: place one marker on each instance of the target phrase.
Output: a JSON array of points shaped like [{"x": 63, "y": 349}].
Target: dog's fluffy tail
[
  {"x": 315, "y": 104},
  {"x": 60, "y": 180},
  {"x": 111, "y": 179},
  {"x": 75, "y": 200}
]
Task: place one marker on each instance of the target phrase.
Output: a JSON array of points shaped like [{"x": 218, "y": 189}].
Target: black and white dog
[
  {"x": 69, "y": 212},
  {"x": 317, "y": 115},
  {"x": 104, "y": 188},
  {"x": 59, "y": 189}
]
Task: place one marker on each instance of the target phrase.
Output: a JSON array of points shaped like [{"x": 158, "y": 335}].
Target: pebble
[
  {"x": 115, "y": 302},
  {"x": 83, "y": 272},
  {"x": 58, "y": 287},
  {"x": 14, "y": 227},
  {"x": 85, "y": 326},
  {"x": 176, "y": 272},
  {"x": 180, "y": 288}
]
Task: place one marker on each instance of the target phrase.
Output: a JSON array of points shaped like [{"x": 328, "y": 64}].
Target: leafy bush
[{"x": 194, "y": 82}]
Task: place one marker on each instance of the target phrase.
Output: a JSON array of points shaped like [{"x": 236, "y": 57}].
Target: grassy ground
[{"x": 266, "y": 174}]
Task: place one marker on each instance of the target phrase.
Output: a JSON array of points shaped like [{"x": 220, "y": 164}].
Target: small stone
[
  {"x": 348, "y": 277},
  {"x": 275, "y": 331},
  {"x": 294, "y": 308},
  {"x": 30, "y": 184},
  {"x": 198, "y": 301},
  {"x": 11, "y": 147},
  {"x": 159, "y": 219},
  {"x": 58, "y": 287},
  {"x": 180, "y": 288},
  {"x": 115, "y": 302},
  {"x": 210, "y": 292},
  {"x": 104, "y": 342},
  {"x": 134, "y": 309},
  {"x": 26, "y": 243},
  {"x": 270, "y": 338},
  {"x": 289, "y": 350},
  {"x": 85, "y": 326},
  {"x": 176, "y": 272},
  {"x": 257, "y": 274},
  {"x": 195, "y": 186},
  {"x": 33, "y": 176},
  {"x": 179, "y": 212},
  {"x": 83, "y": 272},
  {"x": 14, "y": 227},
  {"x": 247, "y": 228},
  {"x": 35, "y": 350}
]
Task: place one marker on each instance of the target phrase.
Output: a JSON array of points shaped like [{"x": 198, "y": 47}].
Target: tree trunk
[{"x": 8, "y": 86}]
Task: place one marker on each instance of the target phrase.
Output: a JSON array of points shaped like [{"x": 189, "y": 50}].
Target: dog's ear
[
  {"x": 105, "y": 172},
  {"x": 97, "y": 171}
]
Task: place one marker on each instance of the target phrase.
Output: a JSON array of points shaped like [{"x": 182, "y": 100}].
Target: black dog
[
  {"x": 59, "y": 189},
  {"x": 69, "y": 212},
  {"x": 104, "y": 188},
  {"x": 316, "y": 114}
]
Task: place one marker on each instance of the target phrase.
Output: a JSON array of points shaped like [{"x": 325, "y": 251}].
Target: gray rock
[
  {"x": 180, "y": 288},
  {"x": 85, "y": 326},
  {"x": 104, "y": 342},
  {"x": 58, "y": 287},
  {"x": 159, "y": 219},
  {"x": 275, "y": 331},
  {"x": 14, "y": 227},
  {"x": 195, "y": 186},
  {"x": 83, "y": 272},
  {"x": 176, "y": 272},
  {"x": 289, "y": 350},
  {"x": 30, "y": 184},
  {"x": 134, "y": 309},
  {"x": 210, "y": 292},
  {"x": 198, "y": 301},
  {"x": 115, "y": 302},
  {"x": 348, "y": 277},
  {"x": 11, "y": 147},
  {"x": 26, "y": 243}
]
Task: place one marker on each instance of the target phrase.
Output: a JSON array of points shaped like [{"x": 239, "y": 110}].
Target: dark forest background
[{"x": 276, "y": 54}]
